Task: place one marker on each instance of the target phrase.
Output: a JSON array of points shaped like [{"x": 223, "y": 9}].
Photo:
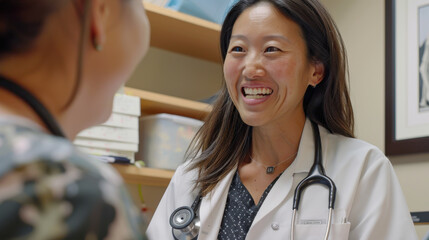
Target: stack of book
[{"x": 117, "y": 139}]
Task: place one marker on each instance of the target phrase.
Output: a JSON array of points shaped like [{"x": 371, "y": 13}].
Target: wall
[
  {"x": 361, "y": 23},
  {"x": 177, "y": 75}
]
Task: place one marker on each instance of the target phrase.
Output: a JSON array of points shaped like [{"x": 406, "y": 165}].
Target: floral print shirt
[{"x": 49, "y": 190}]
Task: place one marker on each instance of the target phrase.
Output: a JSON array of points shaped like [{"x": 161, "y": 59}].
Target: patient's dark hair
[{"x": 21, "y": 22}]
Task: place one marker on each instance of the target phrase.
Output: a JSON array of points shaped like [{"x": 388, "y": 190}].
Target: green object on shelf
[{"x": 139, "y": 164}]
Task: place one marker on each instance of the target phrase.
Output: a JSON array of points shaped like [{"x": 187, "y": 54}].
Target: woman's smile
[{"x": 255, "y": 95}]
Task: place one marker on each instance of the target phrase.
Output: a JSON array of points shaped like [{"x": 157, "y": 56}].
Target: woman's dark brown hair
[{"x": 225, "y": 140}]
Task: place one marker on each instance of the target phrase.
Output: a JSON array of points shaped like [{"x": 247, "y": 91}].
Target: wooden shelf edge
[
  {"x": 184, "y": 34},
  {"x": 145, "y": 176},
  {"x": 152, "y": 103},
  {"x": 170, "y": 13}
]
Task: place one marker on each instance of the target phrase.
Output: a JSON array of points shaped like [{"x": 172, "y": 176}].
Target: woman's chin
[{"x": 254, "y": 121}]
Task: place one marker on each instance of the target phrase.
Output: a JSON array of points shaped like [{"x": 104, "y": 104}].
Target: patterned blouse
[
  {"x": 49, "y": 190},
  {"x": 240, "y": 210}
]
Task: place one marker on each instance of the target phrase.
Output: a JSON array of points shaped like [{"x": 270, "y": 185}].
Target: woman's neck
[{"x": 277, "y": 143}]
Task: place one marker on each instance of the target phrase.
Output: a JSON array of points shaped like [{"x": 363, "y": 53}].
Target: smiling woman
[{"x": 276, "y": 46}]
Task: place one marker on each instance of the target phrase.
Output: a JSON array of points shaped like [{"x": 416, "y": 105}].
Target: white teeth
[
  {"x": 254, "y": 96},
  {"x": 258, "y": 91}
]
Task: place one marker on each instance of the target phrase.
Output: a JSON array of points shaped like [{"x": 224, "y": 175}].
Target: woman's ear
[
  {"x": 99, "y": 12},
  {"x": 317, "y": 74}
]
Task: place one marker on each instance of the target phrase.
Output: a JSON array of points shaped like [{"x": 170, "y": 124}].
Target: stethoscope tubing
[{"x": 315, "y": 176}]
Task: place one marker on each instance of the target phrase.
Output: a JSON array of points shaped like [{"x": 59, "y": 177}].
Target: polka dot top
[{"x": 240, "y": 210}]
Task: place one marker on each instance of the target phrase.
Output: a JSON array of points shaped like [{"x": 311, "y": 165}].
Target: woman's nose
[{"x": 253, "y": 68}]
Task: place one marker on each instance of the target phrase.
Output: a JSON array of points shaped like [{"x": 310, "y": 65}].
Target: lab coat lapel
[
  {"x": 281, "y": 191},
  {"x": 212, "y": 208}
]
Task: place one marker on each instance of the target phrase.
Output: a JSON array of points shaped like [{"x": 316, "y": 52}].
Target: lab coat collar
[
  {"x": 305, "y": 157},
  {"x": 212, "y": 207}
]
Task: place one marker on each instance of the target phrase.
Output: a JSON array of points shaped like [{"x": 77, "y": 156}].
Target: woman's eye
[
  {"x": 237, "y": 49},
  {"x": 272, "y": 49}
]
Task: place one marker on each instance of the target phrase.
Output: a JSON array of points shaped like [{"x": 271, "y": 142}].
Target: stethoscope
[
  {"x": 315, "y": 176},
  {"x": 35, "y": 104},
  {"x": 185, "y": 221}
]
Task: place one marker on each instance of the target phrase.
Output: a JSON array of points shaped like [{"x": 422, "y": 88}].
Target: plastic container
[
  {"x": 211, "y": 10},
  {"x": 164, "y": 139}
]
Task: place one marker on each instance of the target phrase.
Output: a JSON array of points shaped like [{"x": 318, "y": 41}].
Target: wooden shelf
[
  {"x": 145, "y": 176},
  {"x": 184, "y": 34},
  {"x": 181, "y": 33},
  {"x": 153, "y": 103}
]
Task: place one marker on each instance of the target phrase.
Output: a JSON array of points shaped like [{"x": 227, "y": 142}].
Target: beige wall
[
  {"x": 361, "y": 23},
  {"x": 177, "y": 75}
]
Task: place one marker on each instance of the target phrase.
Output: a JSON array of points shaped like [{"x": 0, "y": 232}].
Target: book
[
  {"x": 121, "y": 120},
  {"x": 111, "y": 133},
  {"x": 126, "y": 104},
  {"x": 107, "y": 152},
  {"x": 120, "y": 146}
]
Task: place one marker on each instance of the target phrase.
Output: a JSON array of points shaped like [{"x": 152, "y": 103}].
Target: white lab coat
[{"x": 369, "y": 202}]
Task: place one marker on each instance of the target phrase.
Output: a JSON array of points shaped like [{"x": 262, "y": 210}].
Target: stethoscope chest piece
[{"x": 185, "y": 224}]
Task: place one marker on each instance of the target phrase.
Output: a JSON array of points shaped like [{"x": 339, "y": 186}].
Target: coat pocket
[{"x": 339, "y": 231}]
